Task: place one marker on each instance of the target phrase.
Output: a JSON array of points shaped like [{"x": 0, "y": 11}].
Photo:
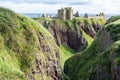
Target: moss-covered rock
[
  {"x": 101, "y": 61},
  {"x": 27, "y": 50}
]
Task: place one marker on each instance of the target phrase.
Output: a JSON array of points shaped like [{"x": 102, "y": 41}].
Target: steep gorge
[
  {"x": 72, "y": 36},
  {"x": 101, "y": 60},
  {"x": 29, "y": 52}
]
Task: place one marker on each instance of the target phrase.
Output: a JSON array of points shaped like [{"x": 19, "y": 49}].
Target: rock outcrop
[
  {"x": 70, "y": 32},
  {"x": 65, "y": 35},
  {"x": 27, "y": 50},
  {"x": 101, "y": 61}
]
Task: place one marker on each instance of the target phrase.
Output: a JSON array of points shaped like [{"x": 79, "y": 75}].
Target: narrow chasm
[{"x": 72, "y": 36}]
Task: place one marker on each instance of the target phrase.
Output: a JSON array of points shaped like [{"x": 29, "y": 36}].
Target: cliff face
[
  {"x": 27, "y": 50},
  {"x": 65, "y": 35},
  {"x": 70, "y": 33},
  {"x": 101, "y": 61}
]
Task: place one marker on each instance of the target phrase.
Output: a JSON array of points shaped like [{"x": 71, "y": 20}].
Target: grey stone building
[{"x": 65, "y": 14}]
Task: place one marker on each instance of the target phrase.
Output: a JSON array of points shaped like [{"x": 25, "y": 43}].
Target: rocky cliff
[
  {"x": 73, "y": 32},
  {"x": 27, "y": 50},
  {"x": 101, "y": 61},
  {"x": 72, "y": 35}
]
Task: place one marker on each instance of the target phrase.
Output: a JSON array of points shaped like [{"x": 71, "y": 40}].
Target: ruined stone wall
[
  {"x": 62, "y": 14},
  {"x": 65, "y": 14},
  {"x": 69, "y": 13}
]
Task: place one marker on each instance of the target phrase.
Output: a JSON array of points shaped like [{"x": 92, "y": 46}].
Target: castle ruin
[
  {"x": 98, "y": 16},
  {"x": 65, "y": 14}
]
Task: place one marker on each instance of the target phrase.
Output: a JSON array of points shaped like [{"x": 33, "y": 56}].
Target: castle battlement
[{"x": 65, "y": 14}]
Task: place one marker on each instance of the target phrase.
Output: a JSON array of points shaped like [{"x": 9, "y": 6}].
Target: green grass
[
  {"x": 83, "y": 65},
  {"x": 87, "y": 37},
  {"x": 9, "y": 66},
  {"x": 112, "y": 19},
  {"x": 114, "y": 30},
  {"x": 65, "y": 53},
  {"x": 79, "y": 65},
  {"x": 21, "y": 42},
  {"x": 42, "y": 19}
]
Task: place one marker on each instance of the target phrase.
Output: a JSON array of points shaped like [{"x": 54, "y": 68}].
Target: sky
[{"x": 51, "y": 6}]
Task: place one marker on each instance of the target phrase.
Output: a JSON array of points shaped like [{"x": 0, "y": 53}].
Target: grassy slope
[
  {"x": 18, "y": 45},
  {"x": 65, "y": 53},
  {"x": 81, "y": 66},
  {"x": 42, "y": 19},
  {"x": 81, "y": 63},
  {"x": 112, "y": 19},
  {"x": 87, "y": 37}
]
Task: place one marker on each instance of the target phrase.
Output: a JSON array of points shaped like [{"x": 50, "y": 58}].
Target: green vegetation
[
  {"x": 112, "y": 19},
  {"x": 114, "y": 30},
  {"x": 9, "y": 66},
  {"x": 42, "y": 19},
  {"x": 100, "y": 21},
  {"x": 85, "y": 65},
  {"x": 65, "y": 53},
  {"x": 74, "y": 25},
  {"x": 21, "y": 42},
  {"x": 87, "y": 37},
  {"x": 79, "y": 66},
  {"x": 74, "y": 22}
]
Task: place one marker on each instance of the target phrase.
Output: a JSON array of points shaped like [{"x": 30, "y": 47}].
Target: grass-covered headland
[{"x": 26, "y": 49}]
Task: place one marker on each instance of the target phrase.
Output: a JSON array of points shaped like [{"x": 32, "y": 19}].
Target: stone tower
[
  {"x": 69, "y": 13},
  {"x": 61, "y": 14},
  {"x": 65, "y": 14}
]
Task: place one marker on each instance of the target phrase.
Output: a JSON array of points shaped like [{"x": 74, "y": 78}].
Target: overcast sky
[{"x": 51, "y": 6}]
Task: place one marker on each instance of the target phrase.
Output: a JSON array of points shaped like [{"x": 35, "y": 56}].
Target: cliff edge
[{"x": 27, "y": 50}]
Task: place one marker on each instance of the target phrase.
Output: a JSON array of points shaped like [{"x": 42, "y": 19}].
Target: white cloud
[
  {"x": 93, "y": 6},
  {"x": 30, "y": 7}
]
